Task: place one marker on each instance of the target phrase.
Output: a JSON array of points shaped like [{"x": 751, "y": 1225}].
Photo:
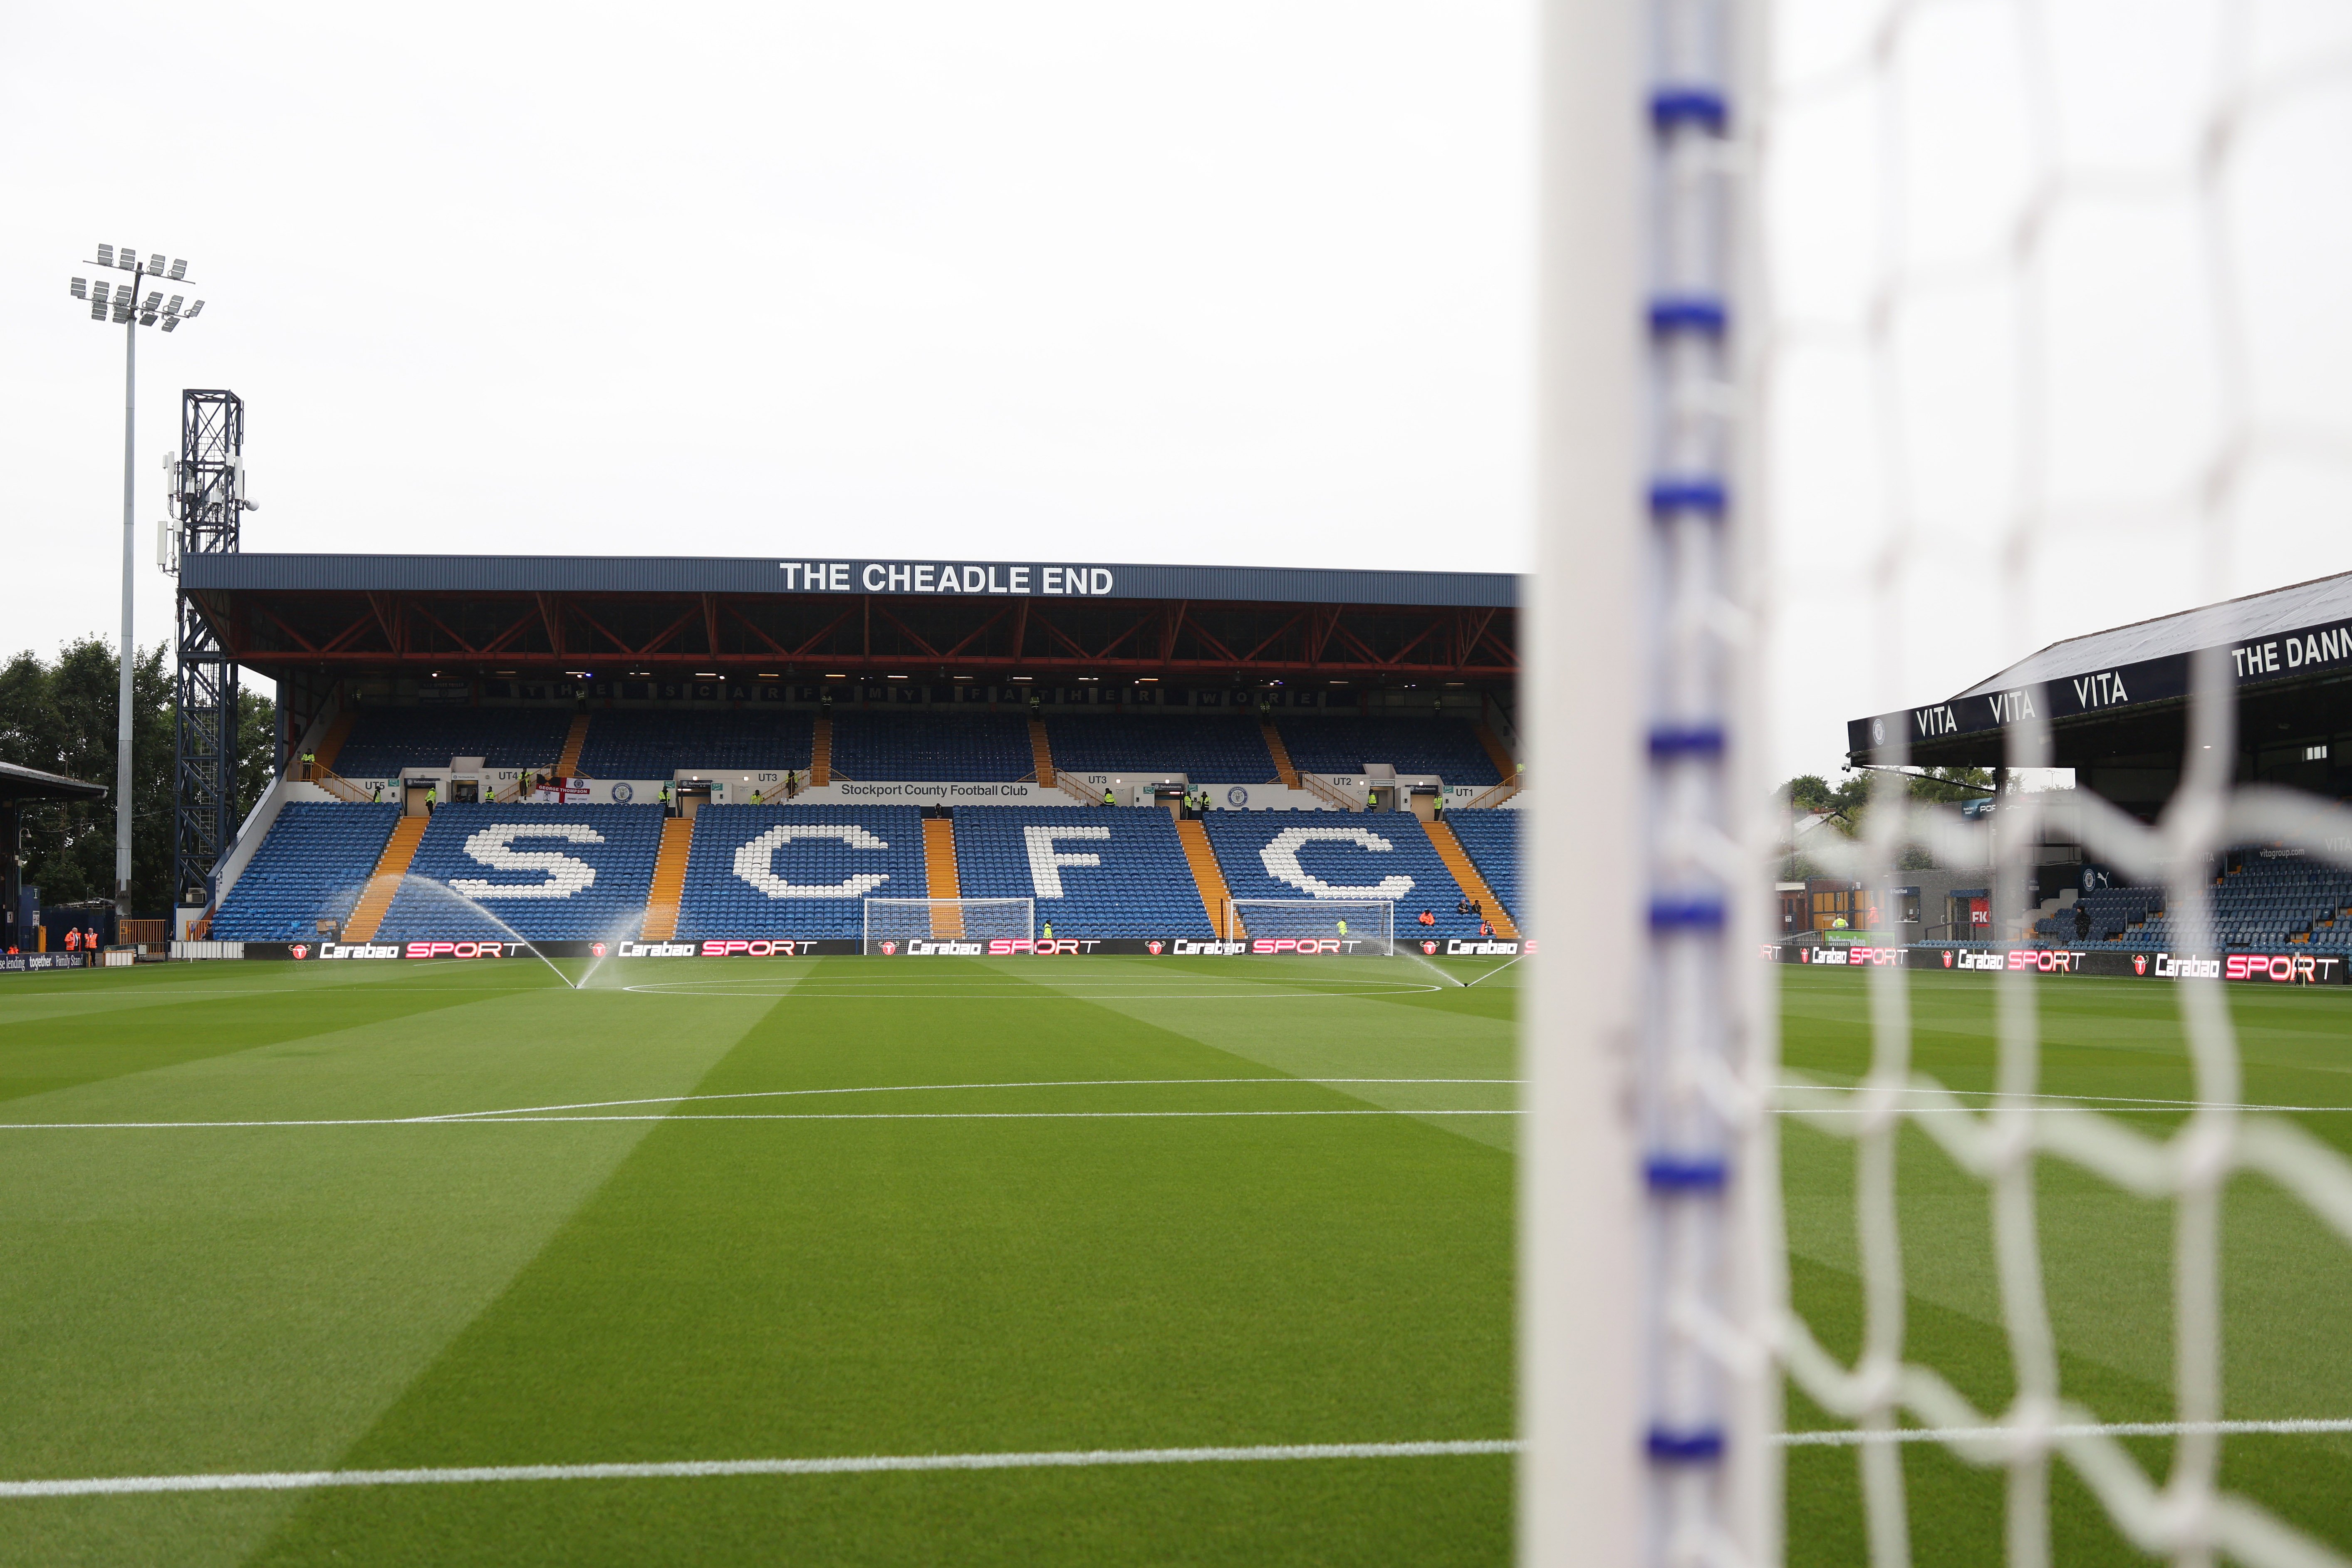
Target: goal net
[
  {"x": 1360, "y": 926},
  {"x": 892, "y": 922},
  {"x": 1891, "y": 351}
]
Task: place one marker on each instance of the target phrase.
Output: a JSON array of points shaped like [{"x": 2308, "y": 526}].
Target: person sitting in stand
[
  {"x": 1462, "y": 904},
  {"x": 1484, "y": 929},
  {"x": 1427, "y": 918}
]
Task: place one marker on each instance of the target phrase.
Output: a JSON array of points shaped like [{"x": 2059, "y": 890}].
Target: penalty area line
[{"x": 689, "y": 1469}]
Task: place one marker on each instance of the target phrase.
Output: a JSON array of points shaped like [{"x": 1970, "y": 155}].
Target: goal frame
[
  {"x": 944, "y": 919},
  {"x": 1233, "y": 918}
]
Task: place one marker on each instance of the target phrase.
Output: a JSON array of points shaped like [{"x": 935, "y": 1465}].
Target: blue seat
[
  {"x": 311, "y": 867},
  {"x": 1339, "y": 855},
  {"x": 548, "y": 873},
  {"x": 797, "y": 872},
  {"x": 639, "y": 744},
  {"x": 1491, "y": 840},
  {"x": 1219, "y": 750},
  {"x": 1448, "y": 748},
  {"x": 927, "y": 747},
  {"x": 1092, "y": 871},
  {"x": 384, "y": 740}
]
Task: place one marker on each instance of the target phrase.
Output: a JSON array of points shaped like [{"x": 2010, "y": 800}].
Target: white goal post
[
  {"x": 1361, "y": 926},
  {"x": 1978, "y": 263},
  {"x": 895, "y": 922}
]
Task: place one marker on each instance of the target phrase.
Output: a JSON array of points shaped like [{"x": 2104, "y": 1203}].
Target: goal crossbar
[
  {"x": 899, "y": 920},
  {"x": 1361, "y": 925}
]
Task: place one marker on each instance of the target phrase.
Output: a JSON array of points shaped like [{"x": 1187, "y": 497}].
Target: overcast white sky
[{"x": 1246, "y": 283}]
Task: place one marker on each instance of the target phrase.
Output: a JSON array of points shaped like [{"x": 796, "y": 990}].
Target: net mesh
[
  {"x": 1366, "y": 925},
  {"x": 964, "y": 920},
  {"x": 2050, "y": 302}
]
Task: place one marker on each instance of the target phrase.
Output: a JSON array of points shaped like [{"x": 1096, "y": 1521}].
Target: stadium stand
[
  {"x": 384, "y": 740},
  {"x": 309, "y": 868},
  {"x": 1093, "y": 872},
  {"x": 1213, "y": 750},
  {"x": 1502, "y": 847},
  {"x": 636, "y": 744},
  {"x": 552, "y": 872},
  {"x": 801, "y": 872},
  {"x": 2270, "y": 905},
  {"x": 974, "y": 748},
  {"x": 1448, "y": 748},
  {"x": 1316, "y": 854},
  {"x": 1491, "y": 839}
]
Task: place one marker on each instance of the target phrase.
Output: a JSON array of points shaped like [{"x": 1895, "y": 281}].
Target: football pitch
[{"x": 1100, "y": 1260}]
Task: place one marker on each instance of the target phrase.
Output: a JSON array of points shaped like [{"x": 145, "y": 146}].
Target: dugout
[
  {"x": 21, "y": 786},
  {"x": 2117, "y": 702}
]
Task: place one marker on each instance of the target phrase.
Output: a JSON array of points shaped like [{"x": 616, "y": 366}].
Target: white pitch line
[
  {"x": 1075, "y": 1459},
  {"x": 496, "y": 1120},
  {"x": 1846, "y": 1437},
  {"x": 919, "y": 1088}
]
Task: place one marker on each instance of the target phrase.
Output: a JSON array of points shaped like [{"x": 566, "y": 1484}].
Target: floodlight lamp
[
  {"x": 171, "y": 306},
  {"x": 196, "y": 310},
  {"x": 147, "y": 320},
  {"x": 81, "y": 289},
  {"x": 171, "y": 323},
  {"x": 98, "y": 310},
  {"x": 127, "y": 258},
  {"x": 155, "y": 262},
  {"x": 179, "y": 269},
  {"x": 106, "y": 256},
  {"x": 155, "y": 300}
]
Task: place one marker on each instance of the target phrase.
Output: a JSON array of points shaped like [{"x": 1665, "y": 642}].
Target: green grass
[
  {"x": 679, "y": 1278},
  {"x": 662, "y": 1288},
  {"x": 2106, "y": 1257}
]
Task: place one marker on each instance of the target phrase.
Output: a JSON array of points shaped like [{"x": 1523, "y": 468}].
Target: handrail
[
  {"x": 1497, "y": 794},
  {"x": 1074, "y": 791},
  {"x": 1317, "y": 785},
  {"x": 333, "y": 783}
]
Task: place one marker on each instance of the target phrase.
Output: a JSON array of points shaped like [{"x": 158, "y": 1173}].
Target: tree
[
  {"x": 59, "y": 716},
  {"x": 1848, "y": 804}
]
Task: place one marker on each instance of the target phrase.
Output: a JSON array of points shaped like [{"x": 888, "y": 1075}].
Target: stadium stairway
[
  {"x": 939, "y": 873},
  {"x": 575, "y": 740},
  {"x": 1206, "y": 875},
  {"x": 384, "y": 881},
  {"x": 1474, "y": 886},
  {"x": 670, "y": 878},
  {"x": 1041, "y": 750},
  {"x": 1284, "y": 769},
  {"x": 821, "y": 751},
  {"x": 331, "y": 743}
]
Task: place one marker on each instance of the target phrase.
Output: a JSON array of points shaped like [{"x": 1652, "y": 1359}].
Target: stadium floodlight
[{"x": 128, "y": 310}]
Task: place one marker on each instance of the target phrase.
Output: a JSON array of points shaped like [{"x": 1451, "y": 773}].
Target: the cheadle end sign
[{"x": 948, "y": 576}]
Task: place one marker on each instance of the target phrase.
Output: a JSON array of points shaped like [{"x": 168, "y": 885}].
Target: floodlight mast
[{"x": 130, "y": 313}]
